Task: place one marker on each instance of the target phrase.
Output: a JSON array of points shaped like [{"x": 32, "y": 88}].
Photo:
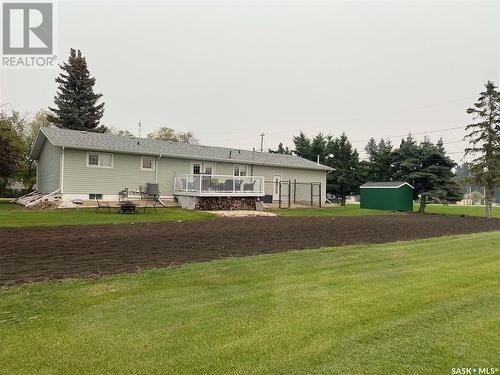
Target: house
[
  {"x": 82, "y": 165},
  {"x": 394, "y": 196}
]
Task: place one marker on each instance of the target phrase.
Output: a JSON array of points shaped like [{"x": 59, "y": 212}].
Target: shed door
[{"x": 276, "y": 187}]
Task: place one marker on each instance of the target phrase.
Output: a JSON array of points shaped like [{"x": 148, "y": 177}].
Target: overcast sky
[{"x": 230, "y": 70}]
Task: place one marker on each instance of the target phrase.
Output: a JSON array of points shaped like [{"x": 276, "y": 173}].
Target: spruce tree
[
  {"x": 346, "y": 176},
  {"x": 76, "y": 102},
  {"x": 371, "y": 149},
  {"x": 484, "y": 138},
  {"x": 382, "y": 161},
  {"x": 429, "y": 170},
  {"x": 302, "y": 146}
]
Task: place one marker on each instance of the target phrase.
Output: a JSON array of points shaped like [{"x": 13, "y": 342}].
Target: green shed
[{"x": 394, "y": 196}]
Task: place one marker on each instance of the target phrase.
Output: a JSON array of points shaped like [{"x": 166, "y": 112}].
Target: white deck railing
[{"x": 218, "y": 185}]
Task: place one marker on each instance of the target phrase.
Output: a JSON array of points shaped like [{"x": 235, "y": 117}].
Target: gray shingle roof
[
  {"x": 116, "y": 143},
  {"x": 392, "y": 184}
]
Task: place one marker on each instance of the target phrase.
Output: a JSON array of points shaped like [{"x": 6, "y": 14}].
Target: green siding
[
  {"x": 126, "y": 173},
  {"x": 400, "y": 199},
  {"x": 49, "y": 168}
]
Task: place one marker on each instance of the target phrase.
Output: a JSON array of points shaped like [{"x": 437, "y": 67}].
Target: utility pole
[
  {"x": 139, "y": 129},
  {"x": 261, "y": 142}
]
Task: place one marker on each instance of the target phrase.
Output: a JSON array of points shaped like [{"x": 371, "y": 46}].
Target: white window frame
[
  {"x": 191, "y": 171},
  {"x": 202, "y": 167},
  {"x": 247, "y": 170},
  {"x": 99, "y": 154},
  {"x": 153, "y": 162}
]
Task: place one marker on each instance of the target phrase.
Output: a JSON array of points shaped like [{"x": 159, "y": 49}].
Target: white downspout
[
  {"x": 157, "y": 167},
  {"x": 62, "y": 171}
]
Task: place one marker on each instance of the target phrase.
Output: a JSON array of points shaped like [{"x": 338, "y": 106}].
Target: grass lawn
[
  {"x": 459, "y": 210},
  {"x": 417, "y": 307},
  {"x": 348, "y": 210},
  {"x": 16, "y": 216},
  {"x": 354, "y": 210}
]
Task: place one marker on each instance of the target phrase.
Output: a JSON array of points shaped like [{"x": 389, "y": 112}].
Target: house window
[
  {"x": 240, "y": 170},
  {"x": 147, "y": 164},
  {"x": 95, "y": 196},
  {"x": 209, "y": 168},
  {"x": 96, "y": 160},
  {"x": 196, "y": 168}
]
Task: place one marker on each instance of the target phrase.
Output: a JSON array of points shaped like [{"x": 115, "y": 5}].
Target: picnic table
[{"x": 127, "y": 207}]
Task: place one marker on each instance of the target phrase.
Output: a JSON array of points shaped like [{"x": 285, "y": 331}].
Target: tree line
[{"x": 424, "y": 165}]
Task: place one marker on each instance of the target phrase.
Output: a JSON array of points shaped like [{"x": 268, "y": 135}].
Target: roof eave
[{"x": 37, "y": 145}]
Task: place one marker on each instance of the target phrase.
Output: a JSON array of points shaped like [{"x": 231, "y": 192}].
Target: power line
[
  {"x": 325, "y": 125},
  {"x": 419, "y": 133}
]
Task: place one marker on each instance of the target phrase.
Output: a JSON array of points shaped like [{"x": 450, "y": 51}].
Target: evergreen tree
[
  {"x": 76, "y": 102},
  {"x": 319, "y": 147},
  {"x": 303, "y": 146},
  {"x": 484, "y": 138},
  {"x": 406, "y": 159},
  {"x": 371, "y": 149},
  {"x": 382, "y": 162},
  {"x": 430, "y": 172},
  {"x": 345, "y": 178},
  {"x": 281, "y": 150}
]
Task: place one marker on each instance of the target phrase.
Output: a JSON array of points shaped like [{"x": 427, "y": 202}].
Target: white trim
[
  {"x": 386, "y": 187},
  {"x": 61, "y": 185},
  {"x": 68, "y": 197},
  {"x": 98, "y": 154},
  {"x": 202, "y": 167},
  {"x": 247, "y": 170},
  {"x": 153, "y": 163}
]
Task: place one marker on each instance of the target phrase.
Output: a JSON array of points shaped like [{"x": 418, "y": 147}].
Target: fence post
[
  {"x": 289, "y": 193},
  {"x": 279, "y": 193},
  {"x": 320, "y": 195},
  {"x": 294, "y": 190}
]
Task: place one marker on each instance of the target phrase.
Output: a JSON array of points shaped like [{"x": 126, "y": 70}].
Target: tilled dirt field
[{"x": 32, "y": 254}]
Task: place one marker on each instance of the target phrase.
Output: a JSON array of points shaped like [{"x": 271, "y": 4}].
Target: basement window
[
  {"x": 96, "y": 160},
  {"x": 95, "y": 196}
]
